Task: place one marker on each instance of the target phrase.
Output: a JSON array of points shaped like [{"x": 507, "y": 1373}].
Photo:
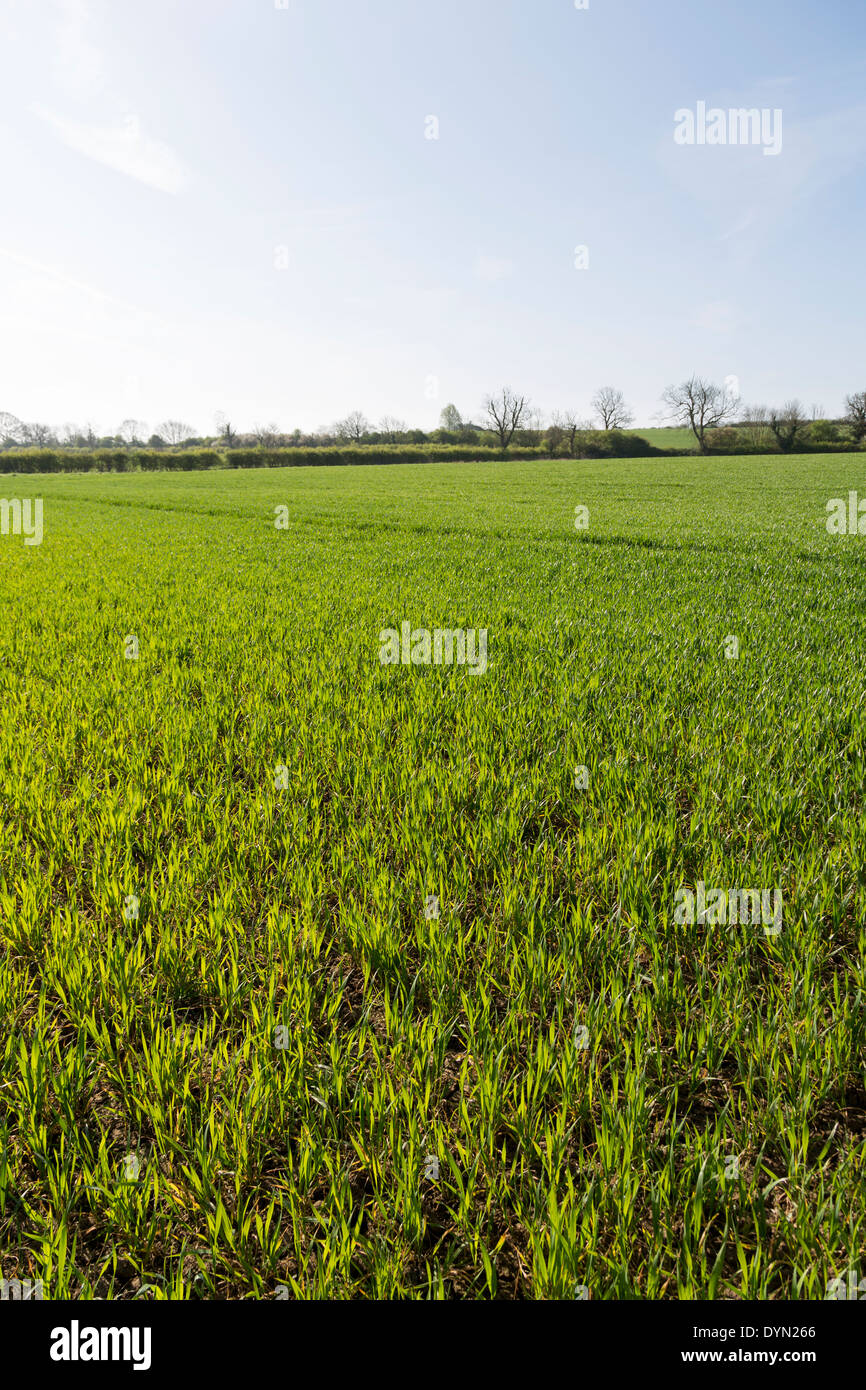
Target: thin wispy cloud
[
  {"x": 70, "y": 282},
  {"x": 124, "y": 147},
  {"x": 100, "y": 128}
]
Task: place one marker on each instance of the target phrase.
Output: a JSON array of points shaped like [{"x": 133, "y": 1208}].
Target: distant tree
[
  {"x": 354, "y": 427},
  {"x": 572, "y": 432},
  {"x": 156, "y": 441},
  {"x": 11, "y": 430},
  {"x": 505, "y": 412},
  {"x": 788, "y": 425},
  {"x": 450, "y": 420},
  {"x": 856, "y": 415},
  {"x": 266, "y": 436},
  {"x": 175, "y": 432},
  {"x": 555, "y": 437},
  {"x": 226, "y": 432},
  {"x": 37, "y": 436},
  {"x": 132, "y": 432},
  {"x": 754, "y": 426},
  {"x": 390, "y": 428},
  {"x": 610, "y": 407},
  {"x": 700, "y": 405}
]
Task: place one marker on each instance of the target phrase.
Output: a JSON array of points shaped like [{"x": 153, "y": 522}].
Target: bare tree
[
  {"x": 610, "y": 407},
  {"x": 225, "y": 430},
  {"x": 391, "y": 428},
  {"x": 568, "y": 429},
  {"x": 266, "y": 436},
  {"x": 856, "y": 415},
  {"x": 555, "y": 435},
  {"x": 788, "y": 425},
  {"x": 175, "y": 431},
  {"x": 37, "y": 436},
  {"x": 580, "y": 433},
  {"x": 505, "y": 411},
  {"x": 754, "y": 425},
  {"x": 700, "y": 405},
  {"x": 354, "y": 427},
  {"x": 132, "y": 432}
]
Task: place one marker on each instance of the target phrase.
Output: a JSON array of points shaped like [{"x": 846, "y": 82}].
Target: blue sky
[{"x": 225, "y": 205}]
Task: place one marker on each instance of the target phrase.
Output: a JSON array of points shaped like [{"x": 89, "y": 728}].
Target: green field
[
  {"x": 281, "y": 1075},
  {"x": 667, "y": 437}
]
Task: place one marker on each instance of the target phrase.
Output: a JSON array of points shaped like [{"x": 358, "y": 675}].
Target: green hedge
[
  {"x": 366, "y": 453},
  {"x": 104, "y": 460},
  {"x": 151, "y": 460},
  {"x": 612, "y": 445}
]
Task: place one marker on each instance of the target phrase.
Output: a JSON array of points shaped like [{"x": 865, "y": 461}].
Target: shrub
[
  {"x": 824, "y": 432},
  {"x": 724, "y": 440}
]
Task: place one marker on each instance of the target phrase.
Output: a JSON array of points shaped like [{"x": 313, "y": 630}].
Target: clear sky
[{"x": 225, "y": 205}]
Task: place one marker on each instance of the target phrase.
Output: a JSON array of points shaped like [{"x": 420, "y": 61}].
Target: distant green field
[
  {"x": 243, "y": 1055},
  {"x": 668, "y": 437}
]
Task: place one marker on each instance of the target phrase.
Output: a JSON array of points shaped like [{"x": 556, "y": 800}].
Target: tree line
[
  {"x": 714, "y": 414},
  {"x": 717, "y": 419}
]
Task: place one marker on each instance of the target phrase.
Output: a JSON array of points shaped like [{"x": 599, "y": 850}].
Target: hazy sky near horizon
[{"x": 221, "y": 205}]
